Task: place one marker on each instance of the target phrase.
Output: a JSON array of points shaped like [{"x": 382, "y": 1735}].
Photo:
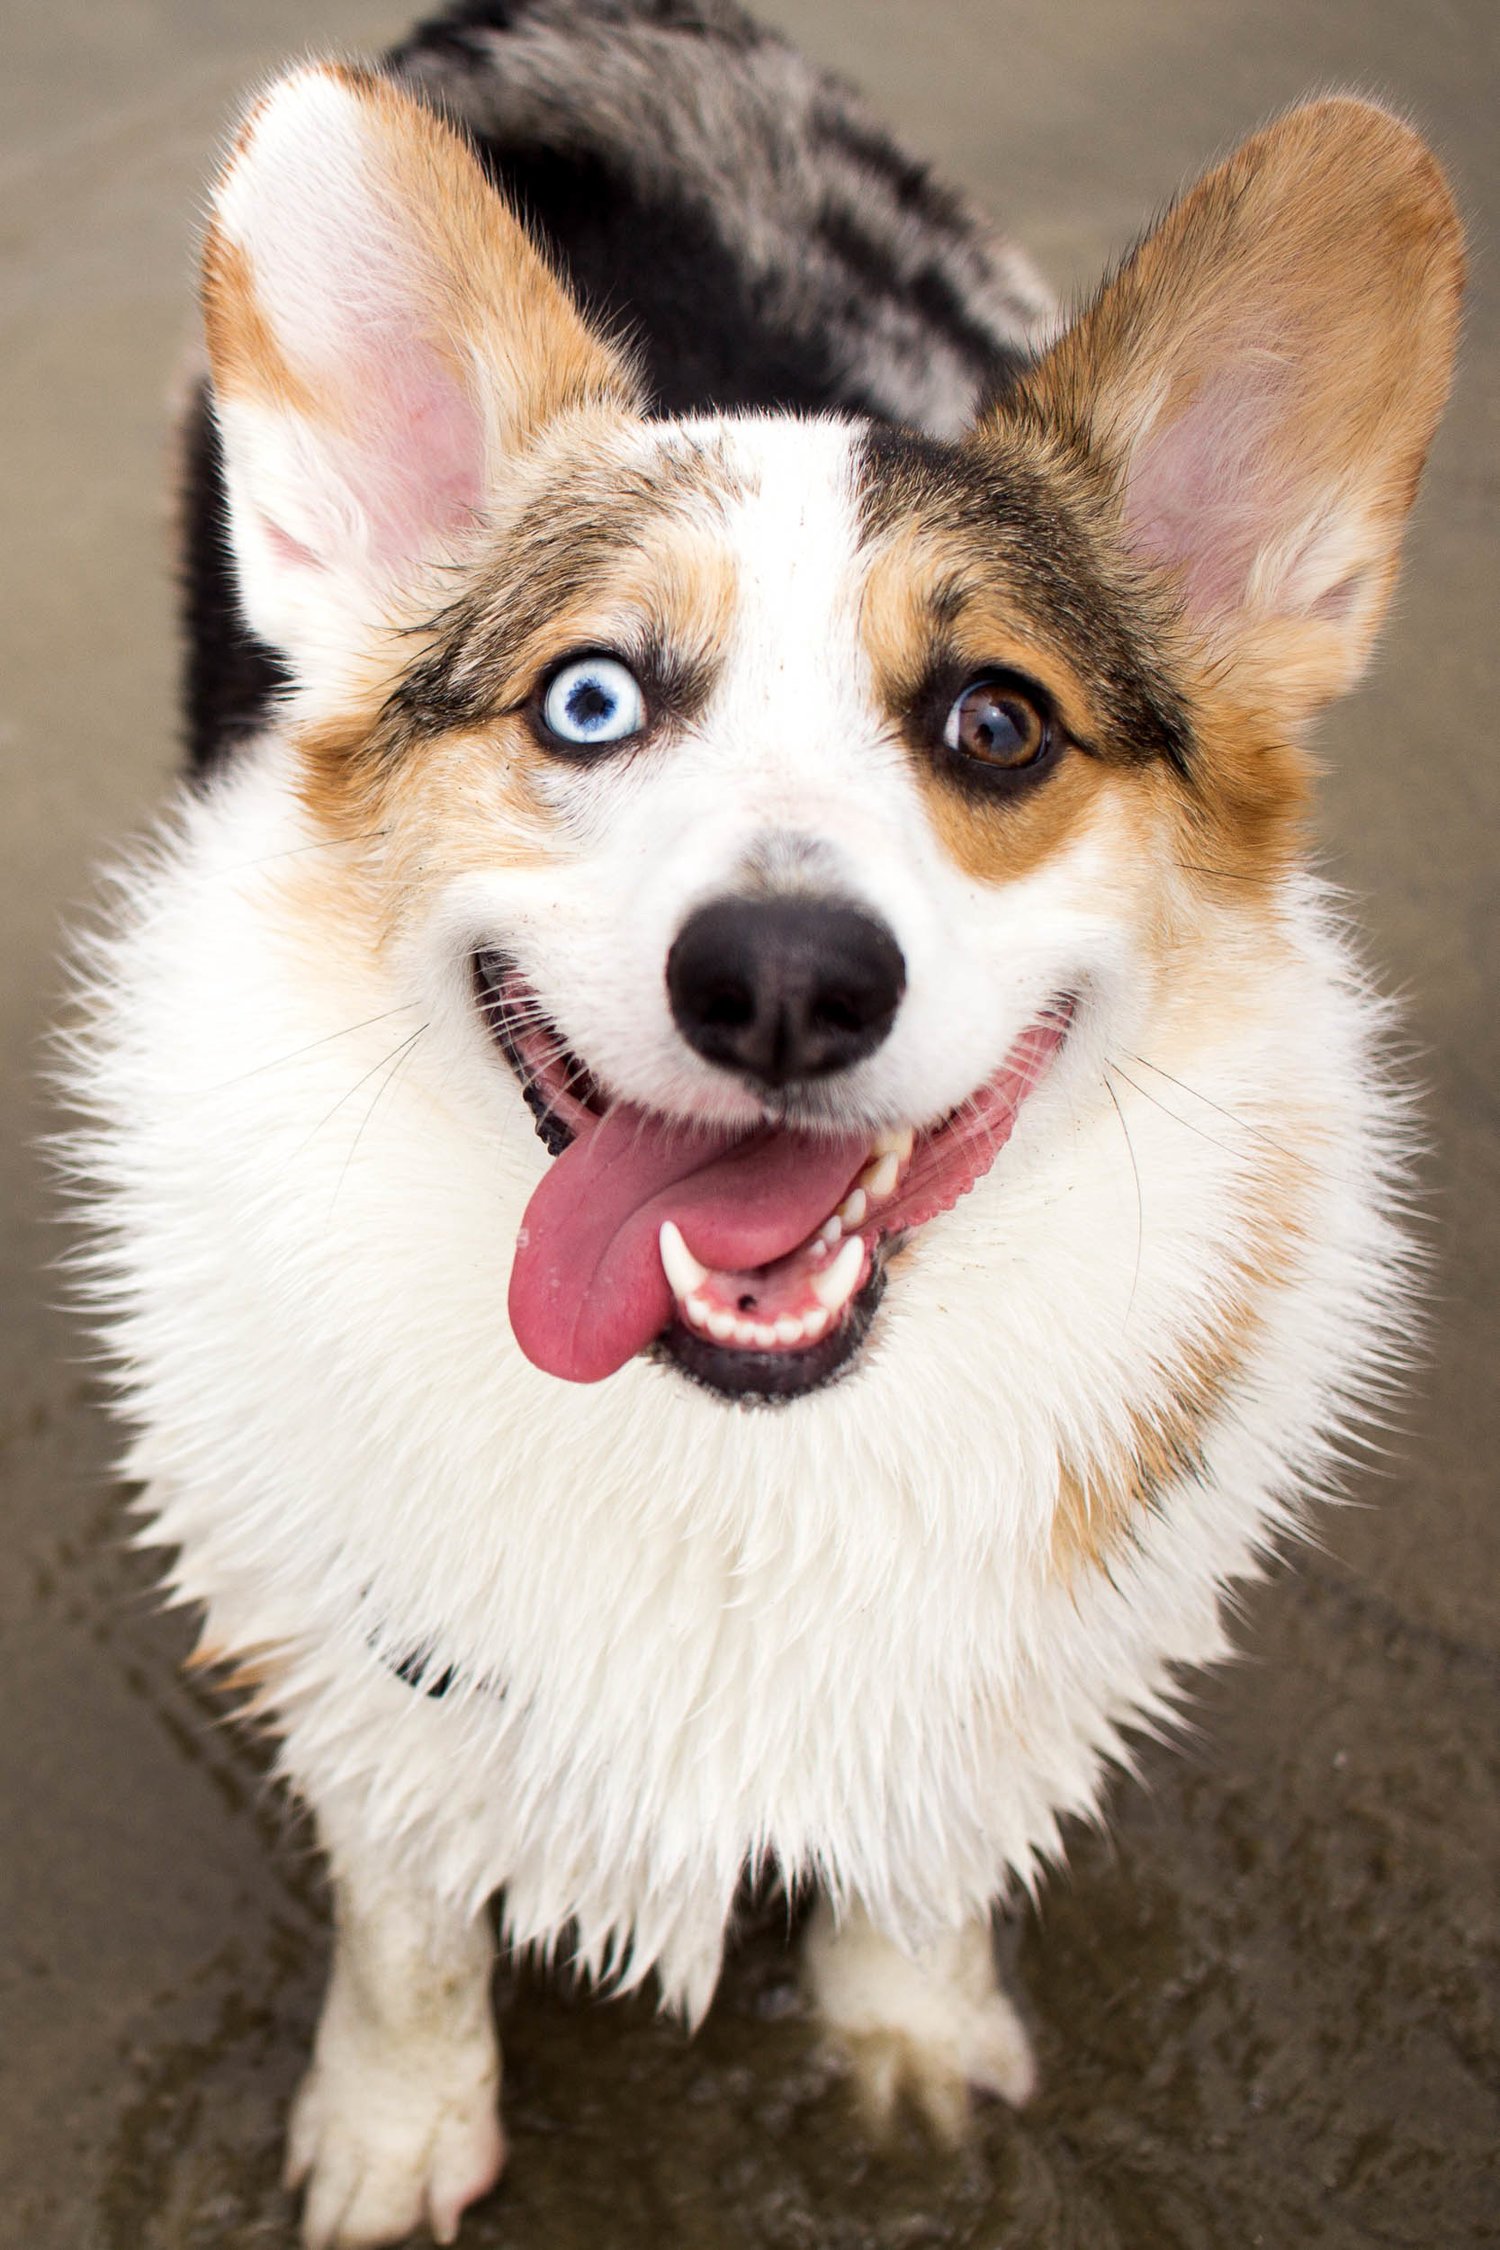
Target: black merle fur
[
  {"x": 230, "y": 677},
  {"x": 887, "y": 297}
]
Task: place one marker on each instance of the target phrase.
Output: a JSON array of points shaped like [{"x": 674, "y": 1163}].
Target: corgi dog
[{"x": 736, "y": 1166}]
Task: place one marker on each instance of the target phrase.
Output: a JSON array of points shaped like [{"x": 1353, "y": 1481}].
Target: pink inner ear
[
  {"x": 415, "y": 451},
  {"x": 1206, "y": 491},
  {"x": 293, "y": 553}
]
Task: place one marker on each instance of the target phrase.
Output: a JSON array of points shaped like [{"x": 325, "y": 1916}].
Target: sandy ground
[{"x": 1267, "y": 2008}]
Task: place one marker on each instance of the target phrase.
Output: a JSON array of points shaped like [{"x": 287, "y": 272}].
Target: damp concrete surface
[{"x": 1265, "y": 2000}]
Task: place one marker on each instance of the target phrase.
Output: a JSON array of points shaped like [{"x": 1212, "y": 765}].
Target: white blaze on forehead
[
  {"x": 794, "y": 522},
  {"x": 796, "y": 673},
  {"x": 796, "y": 769}
]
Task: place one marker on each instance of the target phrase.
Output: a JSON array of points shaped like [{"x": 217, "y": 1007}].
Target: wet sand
[{"x": 1266, "y": 2006}]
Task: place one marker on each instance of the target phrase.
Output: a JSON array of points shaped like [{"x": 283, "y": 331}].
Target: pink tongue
[{"x": 587, "y": 1291}]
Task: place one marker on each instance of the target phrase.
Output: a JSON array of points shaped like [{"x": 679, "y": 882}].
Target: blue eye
[{"x": 592, "y": 702}]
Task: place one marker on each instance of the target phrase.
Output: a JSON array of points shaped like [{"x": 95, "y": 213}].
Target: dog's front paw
[
  {"x": 930, "y": 2028},
  {"x": 381, "y": 2153}
]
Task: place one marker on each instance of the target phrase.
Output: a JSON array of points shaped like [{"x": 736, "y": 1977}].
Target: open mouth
[{"x": 753, "y": 1260}]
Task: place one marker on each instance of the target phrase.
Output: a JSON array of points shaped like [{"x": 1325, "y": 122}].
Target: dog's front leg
[
  {"x": 930, "y": 2026},
  {"x": 397, "y": 2123}
]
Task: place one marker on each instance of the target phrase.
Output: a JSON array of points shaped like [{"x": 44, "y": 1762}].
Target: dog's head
[{"x": 786, "y": 805}]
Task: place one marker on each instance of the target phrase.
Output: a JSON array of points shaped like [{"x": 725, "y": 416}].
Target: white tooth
[
  {"x": 721, "y": 1326},
  {"x": 836, "y": 1284},
  {"x": 894, "y": 1143},
  {"x": 788, "y": 1331},
  {"x": 683, "y": 1272},
  {"x": 832, "y": 1229},
  {"x": 744, "y": 1333},
  {"x": 764, "y": 1332},
  {"x": 879, "y": 1180},
  {"x": 814, "y": 1323},
  {"x": 696, "y": 1309},
  {"x": 852, "y": 1210}
]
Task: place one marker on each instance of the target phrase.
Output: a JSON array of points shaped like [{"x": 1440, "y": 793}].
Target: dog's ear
[
  {"x": 1263, "y": 377},
  {"x": 382, "y": 335}
]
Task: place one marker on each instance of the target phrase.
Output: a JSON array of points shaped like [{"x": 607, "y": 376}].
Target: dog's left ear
[
  {"x": 1263, "y": 378},
  {"x": 384, "y": 339}
]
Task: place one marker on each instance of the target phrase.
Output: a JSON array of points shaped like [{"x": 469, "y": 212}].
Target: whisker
[
  {"x": 528, "y": 1024},
  {"x": 384, "y": 1017},
  {"x": 363, "y": 1080},
  {"x": 1233, "y": 1116},
  {"x": 398, "y": 1062},
  {"x": 1177, "y": 1119},
  {"x": 1140, "y": 1202},
  {"x": 294, "y": 851},
  {"x": 577, "y": 1071},
  {"x": 1223, "y": 874}
]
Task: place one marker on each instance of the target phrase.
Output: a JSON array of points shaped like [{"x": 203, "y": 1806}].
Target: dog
[{"x": 736, "y": 1166}]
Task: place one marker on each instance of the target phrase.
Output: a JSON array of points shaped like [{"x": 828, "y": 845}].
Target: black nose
[{"x": 781, "y": 989}]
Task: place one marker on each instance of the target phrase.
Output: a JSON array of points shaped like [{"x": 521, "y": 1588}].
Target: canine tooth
[
  {"x": 721, "y": 1326},
  {"x": 879, "y": 1179},
  {"x": 835, "y": 1285},
  {"x": 788, "y": 1330},
  {"x": 897, "y": 1143},
  {"x": 683, "y": 1272},
  {"x": 852, "y": 1210}
]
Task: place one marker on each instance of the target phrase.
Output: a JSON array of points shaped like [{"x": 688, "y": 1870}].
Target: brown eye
[{"x": 997, "y": 724}]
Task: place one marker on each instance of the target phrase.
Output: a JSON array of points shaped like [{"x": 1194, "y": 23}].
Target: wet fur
[{"x": 606, "y": 1646}]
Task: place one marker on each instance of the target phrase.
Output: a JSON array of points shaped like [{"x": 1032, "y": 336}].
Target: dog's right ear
[
  {"x": 382, "y": 335},
  {"x": 1262, "y": 378}
]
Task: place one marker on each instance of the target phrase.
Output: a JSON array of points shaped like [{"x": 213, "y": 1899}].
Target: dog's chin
[
  {"x": 939, "y": 1164},
  {"x": 753, "y": 1378}
]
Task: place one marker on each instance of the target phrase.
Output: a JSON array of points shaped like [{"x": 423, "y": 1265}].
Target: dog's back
[{"x": 738, "y": 216}]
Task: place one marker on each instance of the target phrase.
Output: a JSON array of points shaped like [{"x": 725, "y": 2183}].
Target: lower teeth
[
  {"x": 755, "y": 1335},
  {"x": 834, "y": 1263}
]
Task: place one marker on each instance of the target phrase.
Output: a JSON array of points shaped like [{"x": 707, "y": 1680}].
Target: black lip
[
  {"x": 744, "y": 1378},
  {"x": 740, "y": 1378},
  {"x": 488, "y": 970}
]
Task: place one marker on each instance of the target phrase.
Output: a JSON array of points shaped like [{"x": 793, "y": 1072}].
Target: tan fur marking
[
  {"x": 464, "y": 804},
  {"x": 1245, "y": 822},
  {"x": 1009, "y": 838},
  {"x": 1098, "y": 1500},
  {"x": 243, "y": 348},
  {"x": 252, "y": 1673}
]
